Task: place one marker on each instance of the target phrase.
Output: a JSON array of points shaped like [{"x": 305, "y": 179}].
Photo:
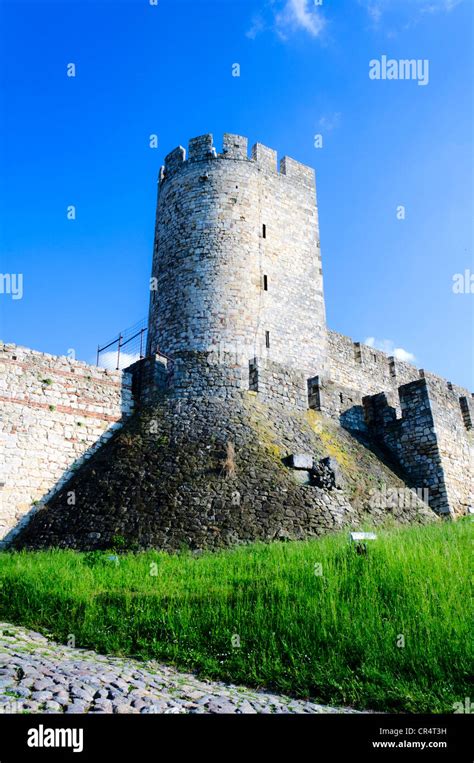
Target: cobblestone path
[{"x": 37, "y": 675}]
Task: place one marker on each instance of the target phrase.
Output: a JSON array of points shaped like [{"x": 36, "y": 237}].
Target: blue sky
[{"x": 304, "y": 70}]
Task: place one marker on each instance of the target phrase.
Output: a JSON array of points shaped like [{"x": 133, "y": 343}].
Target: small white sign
[{"x": 363, "y": 536}]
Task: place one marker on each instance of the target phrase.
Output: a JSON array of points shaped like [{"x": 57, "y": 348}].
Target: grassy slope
[{"x": 331, "y": 636}]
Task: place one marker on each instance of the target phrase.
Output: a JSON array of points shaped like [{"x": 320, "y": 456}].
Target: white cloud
[
  {"x": 288, "y": 16},
  {"x": 440, "y": 5},
  {"x": 388, "y": 346},
  {"x": 330, "y": 122},
  {"x": 297, "y": 14},
  {"x": 375, "y": 12},
  {"x": 410, "y": 10},
  {"x": 258, "y": 25},
  {"x": 109, "y": 360}
]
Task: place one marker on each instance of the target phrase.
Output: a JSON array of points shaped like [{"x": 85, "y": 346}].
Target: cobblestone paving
[{"x": 37, "y": 675}]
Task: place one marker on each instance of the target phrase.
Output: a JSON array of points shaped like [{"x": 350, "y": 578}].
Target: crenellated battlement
[
  {"x": 174, "y": 160},
  {"x": 201, "y": 148},
  {"x": 235, "y": 147},
  {"x": 266, "y": 157},
  {"x": 354, "y": 361},
  {"x": 357, "y": 369},
  {"x": 429, "y": 437}
]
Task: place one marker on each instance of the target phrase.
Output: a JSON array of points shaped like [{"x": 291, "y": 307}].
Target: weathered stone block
[{"x": 301, "y": 461}]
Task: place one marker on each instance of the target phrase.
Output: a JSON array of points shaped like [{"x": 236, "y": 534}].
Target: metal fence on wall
[{"x": 128, "y": 347}]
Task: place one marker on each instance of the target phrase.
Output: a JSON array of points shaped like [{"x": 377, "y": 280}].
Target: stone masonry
[
  {"x": 237, "y": 263},
  {"x": 54, "y": 413},
  {"x": 238, "y": 301},
  {"x": 236, "y": 309},
  {"x": 423, "y": 420}
]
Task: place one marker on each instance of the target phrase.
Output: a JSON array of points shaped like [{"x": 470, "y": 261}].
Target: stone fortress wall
[
  {"x": 236, "y": 255},
  {"x": 54, "y": 413},
  {"x": 422, "y": 419},
  {"x": 424, "y": 422}
]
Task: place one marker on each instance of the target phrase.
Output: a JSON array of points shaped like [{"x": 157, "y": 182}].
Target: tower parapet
[{"x": 202, "y": 149}]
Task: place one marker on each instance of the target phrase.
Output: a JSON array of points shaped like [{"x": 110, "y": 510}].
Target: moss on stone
[{"x": 159, "y": 481}]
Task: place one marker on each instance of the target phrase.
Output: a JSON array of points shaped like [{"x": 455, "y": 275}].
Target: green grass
[{"x": 335, "y": 637}]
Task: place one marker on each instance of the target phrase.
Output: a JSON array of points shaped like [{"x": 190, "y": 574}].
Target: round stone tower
[{"x": 236, "y": 278}]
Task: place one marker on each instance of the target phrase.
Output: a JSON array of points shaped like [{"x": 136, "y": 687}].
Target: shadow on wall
[{"x": 353, "y": 419}]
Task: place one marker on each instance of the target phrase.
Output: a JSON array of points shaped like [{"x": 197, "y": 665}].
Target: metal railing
[{"x": 128, "y": 347}]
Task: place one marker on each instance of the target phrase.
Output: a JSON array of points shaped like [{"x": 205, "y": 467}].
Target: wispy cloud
[
  {"x": 298, "y": 15},
  {"x": 258, "y": 25},
  {"x": 435, "y": 6},
  {"x": 388, "y": 346},
  {"x": 330, "y": 122},
  {"x": 411, "y": 11},
  {"x": 285, "y": 17},
  {"x": 374, "y": 11},
  {"x": 446, "y": 5}
]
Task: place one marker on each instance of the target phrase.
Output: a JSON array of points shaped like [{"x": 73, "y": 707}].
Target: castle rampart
[
  {"x": 54, "y": 413},
  {"x": 411, "y": 438},
  {"x": 429, "y": 440}
]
